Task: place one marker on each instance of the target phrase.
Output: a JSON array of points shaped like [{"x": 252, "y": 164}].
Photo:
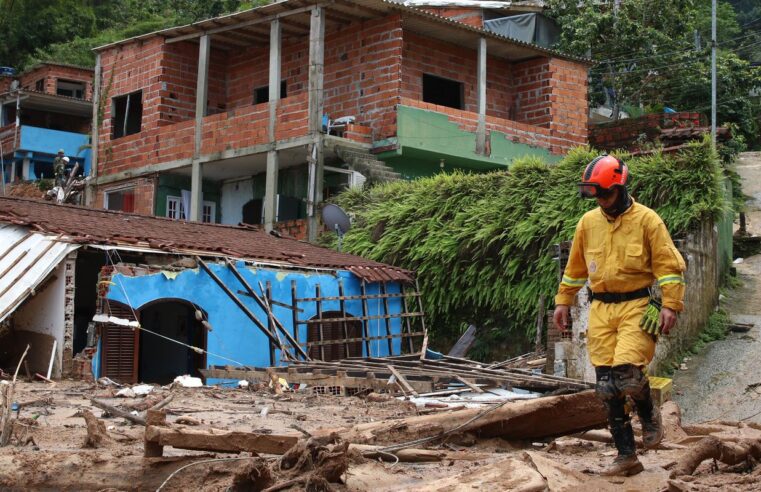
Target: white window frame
[
  {"x": 106, "y": 193},
  {"x": 175, "y": 209}
]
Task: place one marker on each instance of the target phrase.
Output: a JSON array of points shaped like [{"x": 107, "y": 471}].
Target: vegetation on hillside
[{"x": 483, "y": 244}]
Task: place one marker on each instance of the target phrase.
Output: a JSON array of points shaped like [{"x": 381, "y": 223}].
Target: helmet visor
[{"x": 593, "y": 190}]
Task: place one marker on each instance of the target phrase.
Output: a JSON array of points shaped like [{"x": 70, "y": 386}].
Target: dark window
[
  {"x": 444, "y": 92},
  {"x": 330, "y": 337},
  {"x": 70, "y": 88},
  {"x": 262, "y": 94},
  {"x": 127, "y": 114},
  {"x": 39, "y": 86},
  {"x": 123, "y": 200}
]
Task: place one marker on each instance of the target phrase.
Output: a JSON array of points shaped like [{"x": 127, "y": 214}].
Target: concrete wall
[
  {"x": 234, "y": 336},
  {"x": 702, "y": 294}
]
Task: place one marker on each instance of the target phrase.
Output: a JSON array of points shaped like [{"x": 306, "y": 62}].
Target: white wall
[
  {"x": 234, "y": 196},
  {"x": 43, "y": 313}
]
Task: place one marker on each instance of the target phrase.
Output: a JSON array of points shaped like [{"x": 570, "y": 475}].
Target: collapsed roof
[{"x": 80, "y": 225}]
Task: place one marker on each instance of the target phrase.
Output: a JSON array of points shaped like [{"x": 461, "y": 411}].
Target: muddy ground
[
  {"x": 50, "y": 453},
  {"x": 721, "y": 381}
]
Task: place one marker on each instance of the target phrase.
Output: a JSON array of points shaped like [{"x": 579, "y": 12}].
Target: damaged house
[
  {"x": 141, "y": 298},
  {"x": 258, "y": 116}
]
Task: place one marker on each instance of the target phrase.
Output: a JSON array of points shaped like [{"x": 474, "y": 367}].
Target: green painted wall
[
  {"x": 424, "y": 138},
  {"x": 172, "y": 185}
]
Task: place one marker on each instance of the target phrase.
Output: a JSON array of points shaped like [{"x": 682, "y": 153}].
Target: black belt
[{"x": 615, "y": 297}]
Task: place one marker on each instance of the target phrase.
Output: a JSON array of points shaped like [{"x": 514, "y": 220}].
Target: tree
[{"x": 647, "y": 57}]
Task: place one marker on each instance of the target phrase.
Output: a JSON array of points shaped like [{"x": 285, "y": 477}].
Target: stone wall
[{"x": 703, "y": 278}]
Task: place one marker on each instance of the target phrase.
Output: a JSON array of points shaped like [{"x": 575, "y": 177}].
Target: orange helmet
[{"x": 602, "y": 175}]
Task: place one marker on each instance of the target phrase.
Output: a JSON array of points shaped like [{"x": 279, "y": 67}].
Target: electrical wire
[
  {"x": 198, "y": 350},
  {"x": 178, "y": 470}
]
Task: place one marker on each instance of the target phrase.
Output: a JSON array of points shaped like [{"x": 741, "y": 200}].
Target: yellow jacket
[{"x": 623, "y": 255}]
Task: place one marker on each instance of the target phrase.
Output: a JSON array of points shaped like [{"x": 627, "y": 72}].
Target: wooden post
[
  {"x": 271, "y": 324},
  {"x": 153, "y": 449},
  {"x": 270, "y": 193},
  {"x": 202, "y": 86},
  {"x": 319, "y": 316},
  {"x": 481, "y": 127},
  {"x": 387, "y": 319},
  {"x": 365, "y": 321},
  {"x": 407, "y": 320},
  {"x": 343, "y": 315},
  {"x": 295, "y": 311}
]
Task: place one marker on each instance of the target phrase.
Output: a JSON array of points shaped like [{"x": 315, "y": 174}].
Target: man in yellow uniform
[{"x": 622, "y": 248}]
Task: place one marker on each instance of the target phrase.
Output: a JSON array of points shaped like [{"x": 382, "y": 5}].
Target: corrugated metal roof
[{"x": 26, "y": 260}]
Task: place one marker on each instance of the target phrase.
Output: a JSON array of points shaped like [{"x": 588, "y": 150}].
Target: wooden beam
[
  {"x": 469, "y": 384},
  {"x": 252, "y": 22},
  {"x": 402, "y": 380},
  {"x": 223, "y": 442}
]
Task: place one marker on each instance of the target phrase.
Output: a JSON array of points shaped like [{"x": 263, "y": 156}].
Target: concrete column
[
  {"x": 202, "y": 86},
  {"x": 26, "y": 169},
  {"x": 270, "y": 193},
  {"x": 316, "y": 110},
  {"x": 481, "y": 128},
  {"x": 95, "y": 131}
]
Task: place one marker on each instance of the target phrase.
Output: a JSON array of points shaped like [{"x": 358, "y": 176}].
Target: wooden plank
[
  {"x": 361, "y": 339},
  {"x": 402, "y": 380},
  {"x": 464, "y": 343},
  {"x": 387, "y": 319},
  {"x": 380, "y": 316},
  {"x": 321, "y": 333},
  {"x": 360, "y": 297},
  {"x": 343, "y": 315},
  {"x": 407, "y": 323},
  {"x": 365, "y": 327},
  {"x": 223, "y": 442},
  {"x": 469, "y": 384}
]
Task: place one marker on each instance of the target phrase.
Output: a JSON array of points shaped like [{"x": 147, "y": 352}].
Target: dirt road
[{"x": 718, "y": 383}]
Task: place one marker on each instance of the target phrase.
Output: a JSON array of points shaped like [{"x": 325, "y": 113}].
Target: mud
[{"x": 718, "y": 382}]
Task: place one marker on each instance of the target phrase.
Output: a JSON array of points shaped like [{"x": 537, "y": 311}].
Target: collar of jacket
[{"x": 616, "y": 221}]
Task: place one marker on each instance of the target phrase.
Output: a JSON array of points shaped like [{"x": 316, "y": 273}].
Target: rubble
[{"x": 177, "y": 438}]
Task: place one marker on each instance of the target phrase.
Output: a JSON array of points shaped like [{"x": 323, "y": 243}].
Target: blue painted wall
[
  {"x": 234, "y": 336},
  {"x": 42, "y": 144}
]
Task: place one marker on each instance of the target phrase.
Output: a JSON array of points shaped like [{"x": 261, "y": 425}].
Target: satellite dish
[{"x": 335, "y": 219}]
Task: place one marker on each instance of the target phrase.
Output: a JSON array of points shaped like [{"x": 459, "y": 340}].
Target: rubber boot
[
  {"x": 650, "y": 418},
  {"x": 626, "y": 463}
]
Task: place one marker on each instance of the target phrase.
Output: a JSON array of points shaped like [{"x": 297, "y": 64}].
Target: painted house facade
[
  {"x": 43, "y": 110},
  {"x": 259, "y": 116},
  {"x": 141, "y": 298}
]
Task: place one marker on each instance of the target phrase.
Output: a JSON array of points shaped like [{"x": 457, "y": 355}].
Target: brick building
[
  {"x": 42, "y": 110},
  {"x": 258, "y": 116}
]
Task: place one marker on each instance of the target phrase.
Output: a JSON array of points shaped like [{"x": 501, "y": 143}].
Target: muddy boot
[
  {"x": 650, "y": 418},
  {"x": 626, "y": 463}
]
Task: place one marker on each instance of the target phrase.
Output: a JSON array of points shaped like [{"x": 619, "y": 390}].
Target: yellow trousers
[{"x": 614, "y": 336}]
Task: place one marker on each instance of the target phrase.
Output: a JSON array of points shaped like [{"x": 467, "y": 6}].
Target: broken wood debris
[{"x": 415, "y": 376}]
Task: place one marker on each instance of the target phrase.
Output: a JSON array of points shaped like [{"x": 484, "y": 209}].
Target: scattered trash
[
  {"x": 126, "y": 393},
  {"x": 738, "y": 261},
  {"x": 683, "y": 367},
  {"x": 264, "y": 412},
  {"x": 187, "y": 381},
  {"x": 242, "y": 383},
  {"x": 142, "y": 389}
]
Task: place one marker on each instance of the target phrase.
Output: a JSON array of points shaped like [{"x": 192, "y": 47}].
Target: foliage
[
  {"x": 647, "y": 55},
  {"x": 483, "y": 244},
  {"x": 66, "y": 31}
]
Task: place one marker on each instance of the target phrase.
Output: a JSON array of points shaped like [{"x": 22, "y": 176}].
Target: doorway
[{"x": 160, "y": 359}]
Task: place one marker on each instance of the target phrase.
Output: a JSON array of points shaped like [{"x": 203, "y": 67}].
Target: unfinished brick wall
[
  {"x": 629, "y": 133},
  {"x": 531, "y": 80},
  {"x": 424, "y": 55},
  {"x": 51, "y": 73},
  {"x": 470, "y": 16},
  {"x": 569, "y": 109},
  {"x": 145, "y": 192}
]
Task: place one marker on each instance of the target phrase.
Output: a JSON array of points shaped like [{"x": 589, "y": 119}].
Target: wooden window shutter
[{"x": 119, "y": 344}]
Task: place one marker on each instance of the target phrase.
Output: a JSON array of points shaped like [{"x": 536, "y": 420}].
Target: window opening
[
  {"x": 262, "y": 94},
  {"x": 441, "y": 91},
  {"x": 39, "y": 86},
  {"x": 127, "y": 114},
  {"x": 70, "y": 88},
  {"x": 122, "y": 200},
  {"x": 175, "y": 209}
]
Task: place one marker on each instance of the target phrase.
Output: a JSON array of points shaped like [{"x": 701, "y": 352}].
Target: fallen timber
[
  {"x": 413, "y": 375},
  {"x": 526, "y": 419}
]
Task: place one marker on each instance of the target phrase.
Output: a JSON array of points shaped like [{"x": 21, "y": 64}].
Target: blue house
[
  {"x": 148, "y": 299},
  {"x": 43, "y": 110}
]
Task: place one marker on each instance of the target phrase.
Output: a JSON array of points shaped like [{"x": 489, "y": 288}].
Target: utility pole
[{"x": 713, "y": 72}]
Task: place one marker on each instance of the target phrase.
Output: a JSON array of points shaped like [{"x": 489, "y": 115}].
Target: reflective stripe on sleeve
[
  {"x": 573, "y": 282},
  {"x": 670, "y": 279}
]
